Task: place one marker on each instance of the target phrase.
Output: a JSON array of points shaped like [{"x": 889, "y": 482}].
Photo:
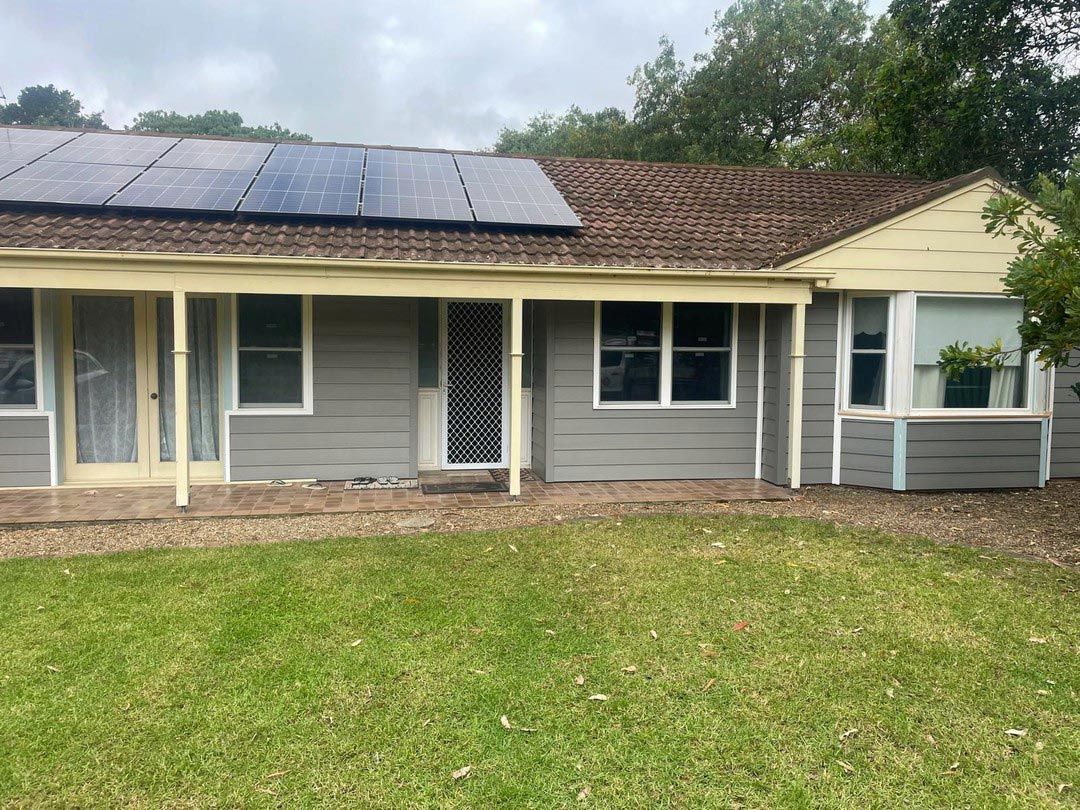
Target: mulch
[{"x": 1036, "y": 523}]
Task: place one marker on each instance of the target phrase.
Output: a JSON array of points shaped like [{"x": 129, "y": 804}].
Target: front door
[
  {"x": 474, "y": 385},
  {"x": 119, "y": 414}
]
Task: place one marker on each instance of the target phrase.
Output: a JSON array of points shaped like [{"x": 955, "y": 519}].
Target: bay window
[
  {"x": 664, "y": 355},
  {"x": 18, "y": 364},
  {"x": 941, "y": 321},
  {"x": 271, "y": 365},
  {"x": 869, "y": 352}
]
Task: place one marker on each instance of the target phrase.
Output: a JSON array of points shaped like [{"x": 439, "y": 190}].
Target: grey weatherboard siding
[
  {"x": 24, "y": 451},
  {"x": 586, "y": 444},
  {"x": 973, "y": 455},
  {"x": 1065, "y": 438},
  {"x": 539, "y": 353},
  {"x": 866, "y": 453},
  {"x": 364, "y": 422}
]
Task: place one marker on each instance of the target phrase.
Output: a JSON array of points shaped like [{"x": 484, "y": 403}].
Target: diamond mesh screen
[{"x": 474, "y": 383}]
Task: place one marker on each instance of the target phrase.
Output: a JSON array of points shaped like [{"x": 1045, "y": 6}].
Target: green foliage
[
  {"x": 47, "y": 106},
  {"x": 574, "y": 134},
  {"x": 212, "y": 122},
  {"x": 1045, "y": 273}
]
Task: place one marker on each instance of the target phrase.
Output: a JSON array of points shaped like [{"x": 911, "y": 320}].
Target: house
[{"x": 221, "y": 301}]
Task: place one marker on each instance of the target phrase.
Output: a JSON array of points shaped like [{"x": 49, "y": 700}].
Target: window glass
[
  {"x": 271, "y": 378},
  {"x": 940, "y": 322},
  {"x": 701, "y": 376},
  {"x": 629, "y": 324},
  {"x": 629, "y": 376},
  {"x": 701, "y": 325},
  {"x": 270, "y": 357},
  {"x": 868, "y": 367},
  {"x": 269, "y": 321},
  {"x": 18, "y": 375}
]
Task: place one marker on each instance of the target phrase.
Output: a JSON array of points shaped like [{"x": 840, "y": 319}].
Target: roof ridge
[{"x": 437, "y": 149}]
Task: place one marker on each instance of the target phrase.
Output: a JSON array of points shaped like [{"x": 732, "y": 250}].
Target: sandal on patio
[{"x": 277, "y": 482}]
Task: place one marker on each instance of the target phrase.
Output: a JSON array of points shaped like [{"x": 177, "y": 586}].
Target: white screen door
[{"x": 474, "y": 383}]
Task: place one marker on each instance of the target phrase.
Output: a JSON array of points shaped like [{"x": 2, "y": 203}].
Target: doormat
[
  {"x": 463, "y": 487},
  {"x": 379, "y": 483},
  {"x": 502, "y": 474}
]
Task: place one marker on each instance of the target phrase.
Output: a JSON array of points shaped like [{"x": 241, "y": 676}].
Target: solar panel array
[
  {"x": 322, "y": 180},
  {"x": 204, "y": 174},
  {"x": 403, "y": 184}
]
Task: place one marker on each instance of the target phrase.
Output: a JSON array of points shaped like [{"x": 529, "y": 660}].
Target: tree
[
  {"x": 971, "y": 83},
  {"x": 1045, "y": 274},
  {"x": 575, "y": 133},
  {"x": 47, "y": 106},
  {"x": 659, "y": 90},
  {"x": 212, "y": 122},
  {"x": 778, "y": 72}
]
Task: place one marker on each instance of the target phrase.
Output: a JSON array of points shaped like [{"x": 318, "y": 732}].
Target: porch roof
[{"x": 634, "y": 214}]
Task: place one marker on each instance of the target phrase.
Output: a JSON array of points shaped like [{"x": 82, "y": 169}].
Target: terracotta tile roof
[{"x": 633, "y": 214}]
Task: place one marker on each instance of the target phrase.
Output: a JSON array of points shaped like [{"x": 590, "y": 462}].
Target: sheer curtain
[
  {"x": 202, "y": 379},
  {"x": 106, "y": 423}
]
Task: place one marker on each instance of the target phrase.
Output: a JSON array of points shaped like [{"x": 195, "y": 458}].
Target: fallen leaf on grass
[
  {"x": 1016, "y": 732},
  {"x": 740, "y": 626},
  {"x": 513, "y": 548},
  {"x": 598, "y": 697},
  {"x": 579, "y": 680},
  {"x": 1037, "y": 640},
  {"x": 630, "y": 670},
  {"x": 653, "y": 635},
  {"x": 461, "y": 773},
  {"x": 583, "y": 794},
  {"x": 890, "y": 692},
  {"x": 952, "y": 769},
  {"x": 356, "y": 643},
  {"x": 550, "y": 632},
  {"x": 847, "y": 766},
  {"x": 851, "y": 732},
  {"x": 275, "y": 774},
  {"x": 708, "y": 685},
  {"x": 51, "y": 668},
  {"x": 504, "y": 721}
]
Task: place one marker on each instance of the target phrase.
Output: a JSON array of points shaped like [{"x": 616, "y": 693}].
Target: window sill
[
  {"x": 30, "y": 411},
  {"x": 949, "y": 415},
  {"x": 283, "y": 411},
  {"x": 655, "y": 406}
]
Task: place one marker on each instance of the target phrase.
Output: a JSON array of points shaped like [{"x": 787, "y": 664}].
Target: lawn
[{"x": 744, "y": 662}]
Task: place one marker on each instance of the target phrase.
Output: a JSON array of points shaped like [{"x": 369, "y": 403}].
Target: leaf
[
  {"x": 890, "y": 692},
  {"x": 579, "y": 680},
  {"x": 583, "y": 794},
  {"x": 1016, "y": 732},
  {"x": 598, "y": 697},
  {"x": 504, "y": 721},
  {"x": 653, "y": 635},
  {"x": 1037, "y": 640},
  {"x": 708, "y": 684},
  {"x": 513, "y": 548},
  {"x": 851, "y": 732},
  {"x": 739, "y": 626},
  {"x": 550, "y": 632},
  {"x": 630, "y": 670},
  {"x": 461, "y": 773},
  {"x": 356, "y": 643},
  {"x": 51, "y": 668},
  {"x": 847, "y": 766}
]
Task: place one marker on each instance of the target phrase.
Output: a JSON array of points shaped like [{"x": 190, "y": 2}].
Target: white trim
[
  {"x": 666, "y": 351},
  {"x": 1029, "y": 379},
  {"x": 306, "y": 366},
  {"x": 226, "y": 448},
  {"x": 838, "y": 386},
  {"x": 427, "y": 428},
  {"x": 759, "y": 417}
]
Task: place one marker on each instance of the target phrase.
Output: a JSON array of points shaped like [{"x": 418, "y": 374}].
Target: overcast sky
[{"x": 447, "y": 74}]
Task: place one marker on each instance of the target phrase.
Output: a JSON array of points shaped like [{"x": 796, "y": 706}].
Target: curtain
[
  {"x": 1005, "y": 387},
  {"x": 106, "y": 424},
  {"x": 202, "y": 379},
  {"x": 928, "y": 387}
]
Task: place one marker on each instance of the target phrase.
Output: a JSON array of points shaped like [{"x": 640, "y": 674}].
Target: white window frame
[
  {"x": 844, "y": 359},
  {"x": 1030, "y": 371},
  {"x": 37, "y": 407},
  {"x": 306, "y": 407},
  {"x": 667, "y": 357}
]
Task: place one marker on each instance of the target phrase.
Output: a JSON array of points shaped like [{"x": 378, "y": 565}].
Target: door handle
[{"x": 153, "y": 396}]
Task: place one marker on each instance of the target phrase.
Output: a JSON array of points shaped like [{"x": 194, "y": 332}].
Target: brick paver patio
[{"x": 65, "y": 505}]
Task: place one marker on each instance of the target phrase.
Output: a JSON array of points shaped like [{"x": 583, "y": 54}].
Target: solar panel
[
  {"x": 25, "y": 145},
  {"x": 9, "y": 166},
  {"x": 72, "y": 183},
  {"x": 513, "y": 191},
  {"x": 301, "y": 179},
  {"x": 126, "y": 150},
  {"x": 197, "y": 153},
  {"x": 403, "y": 184},
  {"x": 189, "y": 189}
]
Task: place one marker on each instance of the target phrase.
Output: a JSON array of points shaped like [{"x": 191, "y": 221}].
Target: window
[
  {"x": 701, "y": 353},
  {"x": 18, "y": 365},
  {"x": 652, "y": 354},
  {"x": 941, "y": 321},
  {"x": 270, "y": 351},
  {"x": 869, "y": 342}
]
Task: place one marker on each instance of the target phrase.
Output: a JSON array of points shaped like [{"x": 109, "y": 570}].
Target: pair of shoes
[{"x": 279, "y": 483}]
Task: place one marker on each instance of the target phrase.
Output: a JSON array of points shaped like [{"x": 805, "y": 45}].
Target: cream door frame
[
  {"x": 149, "y": 467},
  {"x": 166, "y": 470}
]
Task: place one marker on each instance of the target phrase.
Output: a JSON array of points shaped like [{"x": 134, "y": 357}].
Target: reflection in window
[
  {"x": 869, "y": 352},
  {"x": 701, "y": 353},
  {"x": 630, "y": 352},
  {"x": 942, "y": 321},
  {"x": 18, "y": 376},
  {"x": 270, "y": 351}
]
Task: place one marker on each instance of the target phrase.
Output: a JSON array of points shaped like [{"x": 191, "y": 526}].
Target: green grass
[{"x": 229, "y": 676}]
